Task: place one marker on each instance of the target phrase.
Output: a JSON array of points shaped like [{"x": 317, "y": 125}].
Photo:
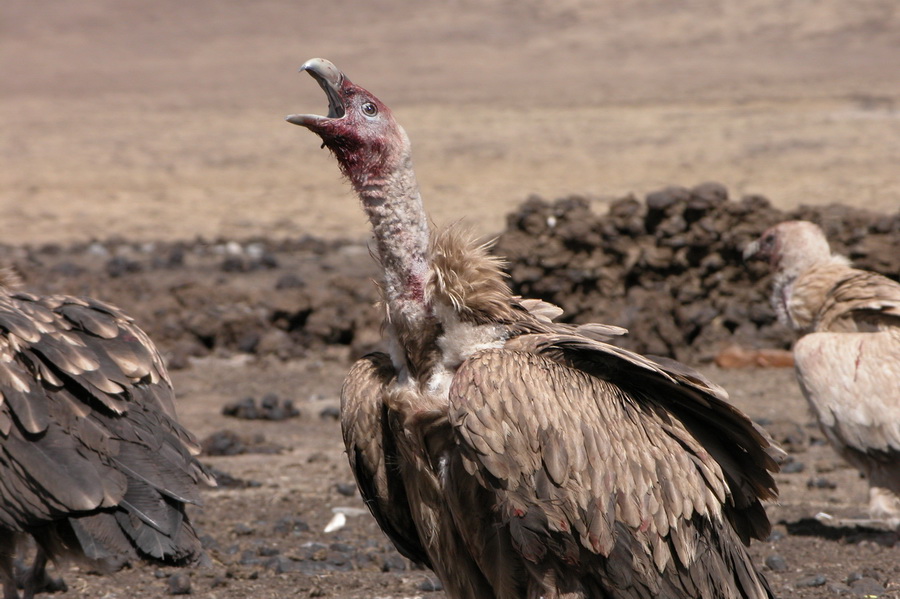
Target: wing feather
[
  {"x": 90, "y": 450},
  {"x": 588, "y": 469},
  {"x": 373, "y": 454},
  {"x": 852, "y": 381},
  {"x": 858, "y": 300}
]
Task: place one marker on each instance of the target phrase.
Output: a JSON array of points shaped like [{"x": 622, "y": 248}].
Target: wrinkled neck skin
[
  {"x": 394, "y": 206},
  {"x": 782, "y": 289}
]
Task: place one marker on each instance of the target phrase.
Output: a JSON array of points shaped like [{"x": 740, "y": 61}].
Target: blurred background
[{"x": 164, "y": 120}]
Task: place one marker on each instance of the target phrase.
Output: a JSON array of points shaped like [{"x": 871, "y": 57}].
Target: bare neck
[{"x": 394, "y": 207}]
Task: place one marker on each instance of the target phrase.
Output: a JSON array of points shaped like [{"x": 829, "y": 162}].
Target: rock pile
[{"x": 669, "y": 269}]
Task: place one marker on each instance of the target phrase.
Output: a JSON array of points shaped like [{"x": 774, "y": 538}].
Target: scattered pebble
[
  {"x": 776, "y": 535},
  {"x": 330, "y": 413},
  {"x": 820, "y": 483},
  {"x": 394, "y": 562},
  {"x": 179, "y": 584},
  {"x": 270, "y": 408},
  {"x": 229, "y": 443},
  {"x": 290, "y": 281},
  {"x": 867, "y": 587},
  {"x": 219, "y": 581},
  {"x": 290, "y": 524},
  {"x": 793, "y": 468},
  {"x": 430, "y": 585},
  {"x": 281, "y": 564},
  {"x": 816, "y": 580},
  {"x": 223, "y": 442},
  {"x": 776, "y": 563},
  {"x": 225, "y": 480},
  {"x": 839, "y": 588},
  {"x": 346, "y": 489}
]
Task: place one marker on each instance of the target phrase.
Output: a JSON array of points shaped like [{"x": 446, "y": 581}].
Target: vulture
[
  {"x": 515, "y": 456},
  {"x": 847, "y": 356},
  {"x": 94, "y": 465}
]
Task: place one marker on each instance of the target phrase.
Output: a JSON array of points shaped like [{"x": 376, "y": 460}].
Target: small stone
[
  {"x": 775, "y": 535},
  {"x": 346, "y": 489},
  {"x": 330, "y": 413},
  {"x": 179, "y": 584},
  {"x": 776, "y": 563},
  {"x": 243, "y": 529},
  {"x": 281, "y": 564},
  {"x": 430, "y": 585},
  {"x": 820, "y": 483},
  {"x": 291, "y": 524},
  {"x": 223, "y": 443},
  {"x": 793, "y": 468},
  {"x": 816, "y": 580},
  {"x": 839, "y": 588},
  {"x": 290, "y": 281},
  {"x": 225, "y": 480},
  {"x": 867, "y": 587},
  {"x": 120, "y": 266},
  {"x": 219, "y": 581},
  {"x": 394, "y": 562}
]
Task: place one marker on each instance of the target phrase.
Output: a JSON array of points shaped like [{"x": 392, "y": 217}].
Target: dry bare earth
[
  {"x": 240, "y": 319},
  {"x": 162, "y": 121}
]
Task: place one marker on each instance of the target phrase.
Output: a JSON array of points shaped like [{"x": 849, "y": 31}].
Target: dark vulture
[
  {"x": 515, "y": 456},
  {"x": 93, "y": 463},
  {"x": 847, "y": 356}
]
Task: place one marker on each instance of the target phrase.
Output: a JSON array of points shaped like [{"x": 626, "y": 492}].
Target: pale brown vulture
[
  {"x": 93, "y": 463},
  {"x": 848, "y": 355},
  {"x": 517, "y": 457}
]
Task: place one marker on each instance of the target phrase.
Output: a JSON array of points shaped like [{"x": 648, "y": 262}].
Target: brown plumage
[
  {"x": 515, "y": 456},
  {"x": 93, "y": 463},
  {"x": 847, "y": 357}
]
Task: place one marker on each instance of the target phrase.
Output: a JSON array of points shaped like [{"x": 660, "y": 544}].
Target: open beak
[
  {"x": 331, "y": 80},
  {"x": 751, "y": 250}
]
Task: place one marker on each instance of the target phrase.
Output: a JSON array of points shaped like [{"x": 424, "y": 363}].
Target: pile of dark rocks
[
  {"x": 670, "y": 269},
  {"x": 667, "y": 267}
]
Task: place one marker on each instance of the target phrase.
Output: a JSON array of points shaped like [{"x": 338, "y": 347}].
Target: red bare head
[{"x": 359, "y": 129}]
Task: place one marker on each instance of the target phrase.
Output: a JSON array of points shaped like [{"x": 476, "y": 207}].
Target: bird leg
[
  {"x": 884, "y": 504},
  {"x": 7, "y": 569},
  {"x": 36, "y": 580},
  {"x": 875, "y": 524}
]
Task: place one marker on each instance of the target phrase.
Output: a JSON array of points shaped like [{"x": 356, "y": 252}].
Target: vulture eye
[{"x": 369, "y": 109}]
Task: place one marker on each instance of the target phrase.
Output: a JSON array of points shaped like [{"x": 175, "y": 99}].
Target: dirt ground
[
  {"x": 164, "y": 122},
  {"x": 165, "y": 119}
]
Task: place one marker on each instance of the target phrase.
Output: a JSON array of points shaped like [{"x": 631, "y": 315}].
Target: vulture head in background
[
  {"x": 93, "y": 462},
  {"x": 519, "y": 457},
  {"x": 792, "y": 248},
  {"x": 847, "y": 357}
]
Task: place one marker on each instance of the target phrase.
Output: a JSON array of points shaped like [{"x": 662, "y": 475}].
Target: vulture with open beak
[
  {"x": 515, "y": 456},
  {"x": 847, "y": 356},
  {"x": 93, "y": 463}
]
